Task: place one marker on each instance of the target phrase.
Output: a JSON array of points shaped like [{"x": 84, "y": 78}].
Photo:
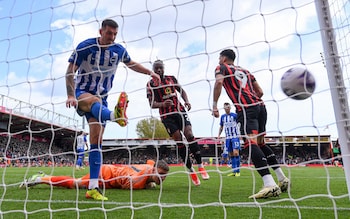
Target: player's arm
[
  {"x": 184, "y": 96},
  {"x": 141, "y": 69},
  {"x": 220, "y": 130},
  {"x": 150, "y": 96},
  {"x": 258, "y": 90},
  {"x": 70, "y": 85},
  {"x": 219, "y": 81}
]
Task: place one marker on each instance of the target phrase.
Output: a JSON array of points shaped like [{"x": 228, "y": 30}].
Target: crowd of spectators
[
  {"x": 16, "y": 151},
  {"x": 20, "y": 152}
]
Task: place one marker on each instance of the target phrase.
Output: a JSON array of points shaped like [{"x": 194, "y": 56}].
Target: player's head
[
  {"x": 227, "y": 108},
  {"x": 161, "y": 170},
  {"x": 108, "y": 32},
  {"x": 158, "y": 67},
  {"x": 227, "y": 56}
]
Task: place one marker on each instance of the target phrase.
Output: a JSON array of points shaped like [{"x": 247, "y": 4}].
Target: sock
[
  {"x": 233, "y": 164},
  {"x": 93, "y": 183},
  {"x": 95, "y": 161},
  {"x": 259, "y": 160},
  {"x": 279, "y": 173},
  {"x": 200, "y": 165},
  {"x": 268, "y": 180},
  {"x": 238, "y": 163},
  {"x": 184, "y": 155},
  {"x": 195, "y": 150},
  {"x": 101, "y": 113},
  {"x": 79, "y": 162},
  {"x": 270, "y": 156},
  {"x": 62, "y": 181}
]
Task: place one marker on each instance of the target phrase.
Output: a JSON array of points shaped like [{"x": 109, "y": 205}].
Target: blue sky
[{"x": 38, "y": 36}]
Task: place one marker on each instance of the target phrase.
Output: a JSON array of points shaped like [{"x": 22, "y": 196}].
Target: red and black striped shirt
[
  {"x": 166, "y": 90},
  {"x": 238, "y": 85}
]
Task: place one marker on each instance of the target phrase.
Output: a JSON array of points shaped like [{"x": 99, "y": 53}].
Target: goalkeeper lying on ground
[{"x": 135, "y": 176}]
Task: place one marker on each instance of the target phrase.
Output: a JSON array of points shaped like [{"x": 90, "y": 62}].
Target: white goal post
[{"x": 336, "y": 82}]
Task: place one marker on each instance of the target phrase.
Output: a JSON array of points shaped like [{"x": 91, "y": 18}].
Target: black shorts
[
  {"x": 262, "y": 119},
  {"x": 175, "y": 122},
  {"x": 249, "y": 120}
]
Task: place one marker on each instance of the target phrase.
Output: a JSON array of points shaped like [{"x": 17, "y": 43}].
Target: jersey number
[{"x": 242, "y": 77}]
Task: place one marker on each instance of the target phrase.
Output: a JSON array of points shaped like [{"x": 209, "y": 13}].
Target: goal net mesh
[{"x": 37, "y": 130}]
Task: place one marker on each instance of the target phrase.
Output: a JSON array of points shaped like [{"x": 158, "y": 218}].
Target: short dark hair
[
  {"x": 110, "y": 23},
  {"x": 158, "y": 62},
  {"x": 229, "y": 53},
  {"x": 162, "y": 165}
]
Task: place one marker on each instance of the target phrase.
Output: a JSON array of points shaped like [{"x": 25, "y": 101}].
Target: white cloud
[{"x": 189, "y": 37}]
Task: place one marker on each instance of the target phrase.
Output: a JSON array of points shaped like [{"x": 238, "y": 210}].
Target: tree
[{"x": 151, "y": 128}]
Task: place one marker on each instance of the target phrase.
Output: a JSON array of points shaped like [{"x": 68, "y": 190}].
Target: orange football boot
[{"x": 120, "y": 110}]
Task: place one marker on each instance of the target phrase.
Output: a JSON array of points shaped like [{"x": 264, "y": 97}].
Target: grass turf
[{"x": 317, "y": 192}]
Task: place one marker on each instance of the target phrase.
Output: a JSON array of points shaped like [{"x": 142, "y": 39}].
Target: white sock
[
  {"x": 279, "y": 173},
  {"x": 112, "y": 116},
  {"x": 268, "y": 180},
  {"x": 93, "y": 183},
  {"x": 200, "y": 165}
]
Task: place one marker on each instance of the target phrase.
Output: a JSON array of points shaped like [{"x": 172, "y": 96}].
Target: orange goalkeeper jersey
[{"x": 132, "y": 176}]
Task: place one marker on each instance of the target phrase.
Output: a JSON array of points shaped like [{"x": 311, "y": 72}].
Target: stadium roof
[{"x": 22, "y": 125}]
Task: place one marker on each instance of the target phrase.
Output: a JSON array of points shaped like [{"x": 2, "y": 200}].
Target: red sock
[{"x": 63, "y": 181}]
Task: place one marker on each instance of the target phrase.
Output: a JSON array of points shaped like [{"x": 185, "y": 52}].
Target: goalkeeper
[{"x": 135, "y": 176}]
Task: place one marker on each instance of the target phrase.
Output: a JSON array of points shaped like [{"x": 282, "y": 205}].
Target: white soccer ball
[
  {"x": 151, "y": 185},
  {"x": 298, "y": 83}
]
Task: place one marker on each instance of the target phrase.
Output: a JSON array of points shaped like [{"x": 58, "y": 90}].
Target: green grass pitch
[{"x": 317, "y": 192}]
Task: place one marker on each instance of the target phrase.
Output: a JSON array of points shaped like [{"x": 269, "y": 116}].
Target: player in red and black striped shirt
[
  {"x": 164, "y": 96},
  {"x": 245, "y": 93}
]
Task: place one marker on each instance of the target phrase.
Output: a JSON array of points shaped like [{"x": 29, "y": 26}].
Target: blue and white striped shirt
[
  {"x": 229, "y": 123},
  {"x": 81, "y": 142},
  {"x": 97, "y": 65}
]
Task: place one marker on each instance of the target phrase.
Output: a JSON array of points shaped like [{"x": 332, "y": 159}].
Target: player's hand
[
  {"x": 155, "y": 78},
  {"x": 188, "y": 106},
  {"x": 168, "y": 103},
  {"x": 71, "y": 102},
  {"x": 215, "y": 112}
]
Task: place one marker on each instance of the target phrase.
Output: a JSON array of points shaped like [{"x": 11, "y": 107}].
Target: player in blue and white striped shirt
[
  {"x": 96, "y": 60},
  {"x": 82, "y": 145},
  {"x": 228, "y": 121}
]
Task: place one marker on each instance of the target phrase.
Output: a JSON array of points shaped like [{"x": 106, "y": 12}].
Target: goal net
[{"x": 38, "y": 132}]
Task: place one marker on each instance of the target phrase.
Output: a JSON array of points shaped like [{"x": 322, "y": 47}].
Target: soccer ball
[
  {"x": 151, "y": 185},
  {"x": 298, "y": 83}
]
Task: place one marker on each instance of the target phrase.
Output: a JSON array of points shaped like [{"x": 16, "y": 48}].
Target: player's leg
[
  {"x": 33, "y": 180},
  {"x": 229, "y": 148},
  {"x": 248, "y": 119},
  {"x": 173, "y": 125},
  {"x": 95, "y": 159},
  {"x": 58, "y": 181},
  {"x": 89, "y": 103},
  {"x": 283, "y": 181},
  {"x": 79, "y": 160},
  {"x": 194, "y": 148},
  {"x": 183, "y": 152},
  {"x": 236, "y": 148}
]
